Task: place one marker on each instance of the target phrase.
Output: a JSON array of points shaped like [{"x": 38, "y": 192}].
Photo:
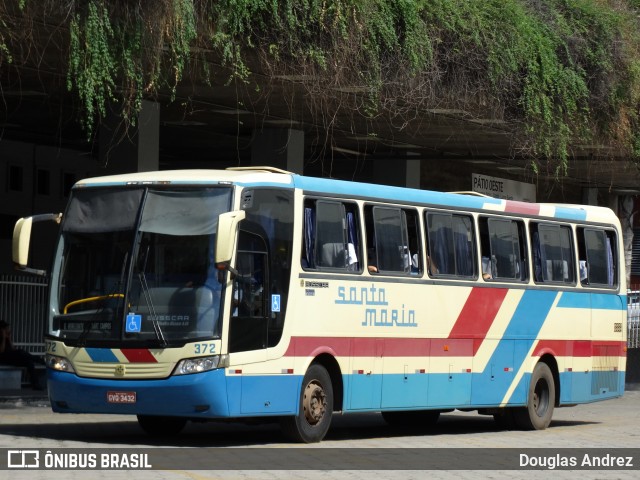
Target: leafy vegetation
[{"x": 562, "y": 71}]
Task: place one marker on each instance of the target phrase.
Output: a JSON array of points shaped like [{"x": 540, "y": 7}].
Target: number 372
[{"x": 205, "y": 348}]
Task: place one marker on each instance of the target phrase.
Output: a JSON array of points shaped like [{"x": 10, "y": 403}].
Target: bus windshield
[{"x": 137, "y": 264}]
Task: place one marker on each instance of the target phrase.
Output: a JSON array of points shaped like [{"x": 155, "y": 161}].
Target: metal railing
[
  {"x": 23, "y": 304},
  {"x": 633, "y": 319}
]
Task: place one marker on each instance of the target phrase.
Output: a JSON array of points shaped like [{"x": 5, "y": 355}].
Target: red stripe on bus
[
  {"x": 138, "y": 355},
  {"x": 478, "y": 314},
  {"x": 358, "y": 347},
  {"x": 580, "y": 348},
  {"x": 436, "y": 347},
  {"x": 522, "y": 208},
  {"x": 381, "y": 347}
]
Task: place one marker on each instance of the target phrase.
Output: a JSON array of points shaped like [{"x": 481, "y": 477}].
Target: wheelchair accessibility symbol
[
  {"x": 134, "y": 323},
  {"x": 275, "y": 303}
]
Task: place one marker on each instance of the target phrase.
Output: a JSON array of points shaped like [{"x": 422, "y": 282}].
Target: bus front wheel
[
  {"x": 315, "y": 408},
  {"x": 540, "y": 400},
  {"x": 157, "y": 426}
]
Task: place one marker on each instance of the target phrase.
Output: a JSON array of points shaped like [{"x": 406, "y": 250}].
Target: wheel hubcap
[
  {"x": 540, "y": 398},
  {"x": 314, "y": 403}
]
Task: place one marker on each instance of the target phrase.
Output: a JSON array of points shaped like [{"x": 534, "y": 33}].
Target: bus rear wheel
[
  {"x": 540, "y": 400},
  {"x": 315, "y": 408},
  {"x": 158, "y": 426}
]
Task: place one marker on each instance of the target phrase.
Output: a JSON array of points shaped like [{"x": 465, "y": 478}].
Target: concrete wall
[{"x": 36, "y": 179}]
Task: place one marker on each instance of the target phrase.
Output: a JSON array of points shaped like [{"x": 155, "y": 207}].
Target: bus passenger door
[
  {"x": 253, "y": 385},
  {"x": 249, "y": 317}
]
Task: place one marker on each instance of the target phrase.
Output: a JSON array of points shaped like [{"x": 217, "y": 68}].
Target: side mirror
[
  {"x": 226, "y": 238},
  {"x": 22, "y": 240}
]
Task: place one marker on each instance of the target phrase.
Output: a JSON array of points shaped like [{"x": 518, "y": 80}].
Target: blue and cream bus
[{"x": 203, "y": 295}]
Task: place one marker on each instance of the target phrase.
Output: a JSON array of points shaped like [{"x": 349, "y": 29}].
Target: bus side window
[
  {"x": 392, "y": 240},
  {"x": 450, "y": 244},
  {"x": 331, "y": 237},
  {"x": 503, "y": 247},
  {"x": 597, "y": 254},
  {"x": 552, "y": 253}
]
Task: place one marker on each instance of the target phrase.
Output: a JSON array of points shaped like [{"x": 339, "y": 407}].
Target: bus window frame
[
  {"x": 369, "y": 218},
  {"x": 609, "y": 233},
  {"x": 572, "y": 246},
  {"x": 483, "y": 220},
  {"x": 474, "y": 244},
  {"x": 348, "y": 206}
]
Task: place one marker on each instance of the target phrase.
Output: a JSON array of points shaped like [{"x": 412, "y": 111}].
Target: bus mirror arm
[
  {"x": 22, "y": 240},
  {"x": 225, "y": 266}
]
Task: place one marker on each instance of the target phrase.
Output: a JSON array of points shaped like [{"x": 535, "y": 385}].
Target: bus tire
[
  {"x": 158, "y": 426},
  {"x": 540, "y": 400},
  {"x": 315, "y": 408}
]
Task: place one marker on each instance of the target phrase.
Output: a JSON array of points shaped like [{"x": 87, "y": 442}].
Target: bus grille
[
  {"x": 132, "y": 371},
  {"x": 604, "y": 376}
]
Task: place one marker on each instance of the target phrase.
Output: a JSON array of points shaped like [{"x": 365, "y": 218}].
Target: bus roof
[{"x": 268, "y": 176}]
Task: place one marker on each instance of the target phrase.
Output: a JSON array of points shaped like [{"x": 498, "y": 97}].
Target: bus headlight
[
  {"x": 201, "y": 364},
  {"x": 59, "y": 364}
]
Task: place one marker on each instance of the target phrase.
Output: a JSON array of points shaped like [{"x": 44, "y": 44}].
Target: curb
[{"x": 24, "y": 398}]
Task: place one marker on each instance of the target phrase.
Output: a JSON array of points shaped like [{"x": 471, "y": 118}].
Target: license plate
[{"x": 121, "y": 397}]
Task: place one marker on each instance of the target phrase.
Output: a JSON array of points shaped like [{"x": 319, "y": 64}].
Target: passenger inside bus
[
  {"x": 371, "y": 263},
  {"x": 487, "y": 268},
  {"x": 431, "y": 265}
]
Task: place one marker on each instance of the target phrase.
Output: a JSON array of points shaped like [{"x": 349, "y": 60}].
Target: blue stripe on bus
[
  {"x": 250, "y": 395},
  {"x": 101, "y": 355},
  {"x": 354, "y": 189},
  {"x": 532, "y": 310},
  {"x": 513, "y": 349},
  {"x": 444, "y": 391},
  {"x": 596, "y": 301},
  {"x": 601, "y": 301},
  {"x": 571, "y": 213}
]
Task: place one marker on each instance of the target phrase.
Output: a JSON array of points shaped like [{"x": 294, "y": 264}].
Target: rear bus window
[{"x": 597, "y": 257}]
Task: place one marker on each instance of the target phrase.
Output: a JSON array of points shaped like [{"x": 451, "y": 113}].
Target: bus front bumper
[{"x": 200, "y": 395}]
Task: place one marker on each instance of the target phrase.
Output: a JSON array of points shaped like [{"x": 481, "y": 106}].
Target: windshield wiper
[{"x": 147, "y": 296}]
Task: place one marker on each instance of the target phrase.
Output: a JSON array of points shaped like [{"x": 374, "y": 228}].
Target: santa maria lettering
[{"x": 378, "y": 312}]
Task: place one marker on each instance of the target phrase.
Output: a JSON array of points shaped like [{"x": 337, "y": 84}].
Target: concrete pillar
[
  {"x": 149, "y": 137},
  {"x": 280, "y": 148},
  {"x": 135, "y": 150},
  {"x": 590, "y": 196},
  {"x": 399, "y": 173}
]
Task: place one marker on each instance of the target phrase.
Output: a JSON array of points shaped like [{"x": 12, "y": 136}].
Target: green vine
[
  {"x": 564, "y": 72},
  {"x": 92, "y": 62}
]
